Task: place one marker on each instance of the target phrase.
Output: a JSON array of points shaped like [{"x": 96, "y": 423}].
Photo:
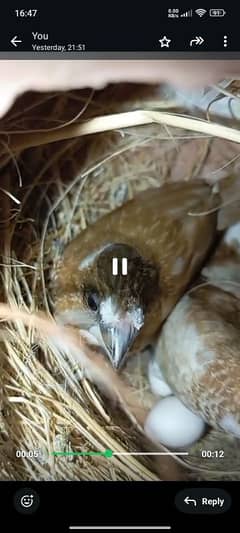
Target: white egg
[{"x": 170, "y": 423}]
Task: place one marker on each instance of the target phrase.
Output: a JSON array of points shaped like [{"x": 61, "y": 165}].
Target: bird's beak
[{"x": 118, "y": 340}]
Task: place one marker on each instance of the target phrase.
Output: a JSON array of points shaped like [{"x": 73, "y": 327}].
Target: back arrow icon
[
  {"x": 15, "y": 40},
  {"x": 197, "y": 41}
]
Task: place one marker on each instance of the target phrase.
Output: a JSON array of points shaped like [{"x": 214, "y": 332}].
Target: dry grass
[{"x": 53, "y": 184}]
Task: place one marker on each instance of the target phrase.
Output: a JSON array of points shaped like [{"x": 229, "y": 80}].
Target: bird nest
[{"x": 67, "y": 159}]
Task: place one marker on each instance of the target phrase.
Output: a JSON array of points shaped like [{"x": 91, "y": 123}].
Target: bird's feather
[
  {"x": 166, "y": 237},
  {"x": 199, "y": 347}
]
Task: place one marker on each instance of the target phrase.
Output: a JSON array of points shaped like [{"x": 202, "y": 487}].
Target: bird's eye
[{"x": 93, "y": 301}]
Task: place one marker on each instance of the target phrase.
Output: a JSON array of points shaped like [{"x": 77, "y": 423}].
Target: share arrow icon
[{"x": 198, "y": 40}]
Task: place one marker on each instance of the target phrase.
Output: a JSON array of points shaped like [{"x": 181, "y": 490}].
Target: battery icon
[{"x": 217, "y": 12}]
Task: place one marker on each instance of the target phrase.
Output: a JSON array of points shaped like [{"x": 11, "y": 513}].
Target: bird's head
[{"x": 116, "y": 287}]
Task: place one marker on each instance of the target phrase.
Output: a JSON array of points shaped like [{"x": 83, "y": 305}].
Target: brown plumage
[
  {"x": 165, "y": 246},
  {"x": 198, "y": 351}
]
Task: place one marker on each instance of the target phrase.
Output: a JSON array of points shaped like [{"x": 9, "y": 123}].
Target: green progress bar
[
  {"x": 111, "y": 453},
  {"x": 106, "y": 453}
]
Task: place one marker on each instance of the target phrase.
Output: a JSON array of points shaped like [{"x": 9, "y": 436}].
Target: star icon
[{"x": 165, "y": 42}]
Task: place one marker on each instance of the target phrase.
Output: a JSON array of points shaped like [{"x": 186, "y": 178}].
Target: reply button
[
  {"x": 203, "y": 500},
  {"x": 219, "y": 502}
]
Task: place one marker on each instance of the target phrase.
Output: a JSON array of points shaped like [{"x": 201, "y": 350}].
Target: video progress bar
[{"x": 146, "y": 528}]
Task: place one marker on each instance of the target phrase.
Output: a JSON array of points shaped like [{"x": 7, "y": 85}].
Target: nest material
[{"x": 49, "y": 194}]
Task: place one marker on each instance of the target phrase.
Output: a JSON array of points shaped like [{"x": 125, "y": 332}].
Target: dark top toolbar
[{"x": 144, "y": 31}]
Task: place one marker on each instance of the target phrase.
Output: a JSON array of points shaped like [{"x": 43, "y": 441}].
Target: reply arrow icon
[{"x": 189, "y": 500}]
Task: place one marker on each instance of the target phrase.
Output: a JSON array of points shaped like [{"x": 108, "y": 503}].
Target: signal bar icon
[
  {"x": 187, "y": 13},
  {"x": 115, "y": 266}
]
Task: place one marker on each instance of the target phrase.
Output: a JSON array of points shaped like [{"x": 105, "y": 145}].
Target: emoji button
[{"x": 26, "y": 501}]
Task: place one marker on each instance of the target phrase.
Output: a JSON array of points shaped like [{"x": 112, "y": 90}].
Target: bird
[
  {"x": 164, "y": 246},
  {"x": 197, "y": 355}
]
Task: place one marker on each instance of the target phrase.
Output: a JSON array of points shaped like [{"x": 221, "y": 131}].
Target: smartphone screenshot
[{"x": 120, "y": 267}]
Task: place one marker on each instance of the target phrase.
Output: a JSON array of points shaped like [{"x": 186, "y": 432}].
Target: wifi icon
[{"x": 200, "y": 12}]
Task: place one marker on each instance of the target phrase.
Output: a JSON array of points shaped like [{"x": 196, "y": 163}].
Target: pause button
[{"x": 123, "y": 266}]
